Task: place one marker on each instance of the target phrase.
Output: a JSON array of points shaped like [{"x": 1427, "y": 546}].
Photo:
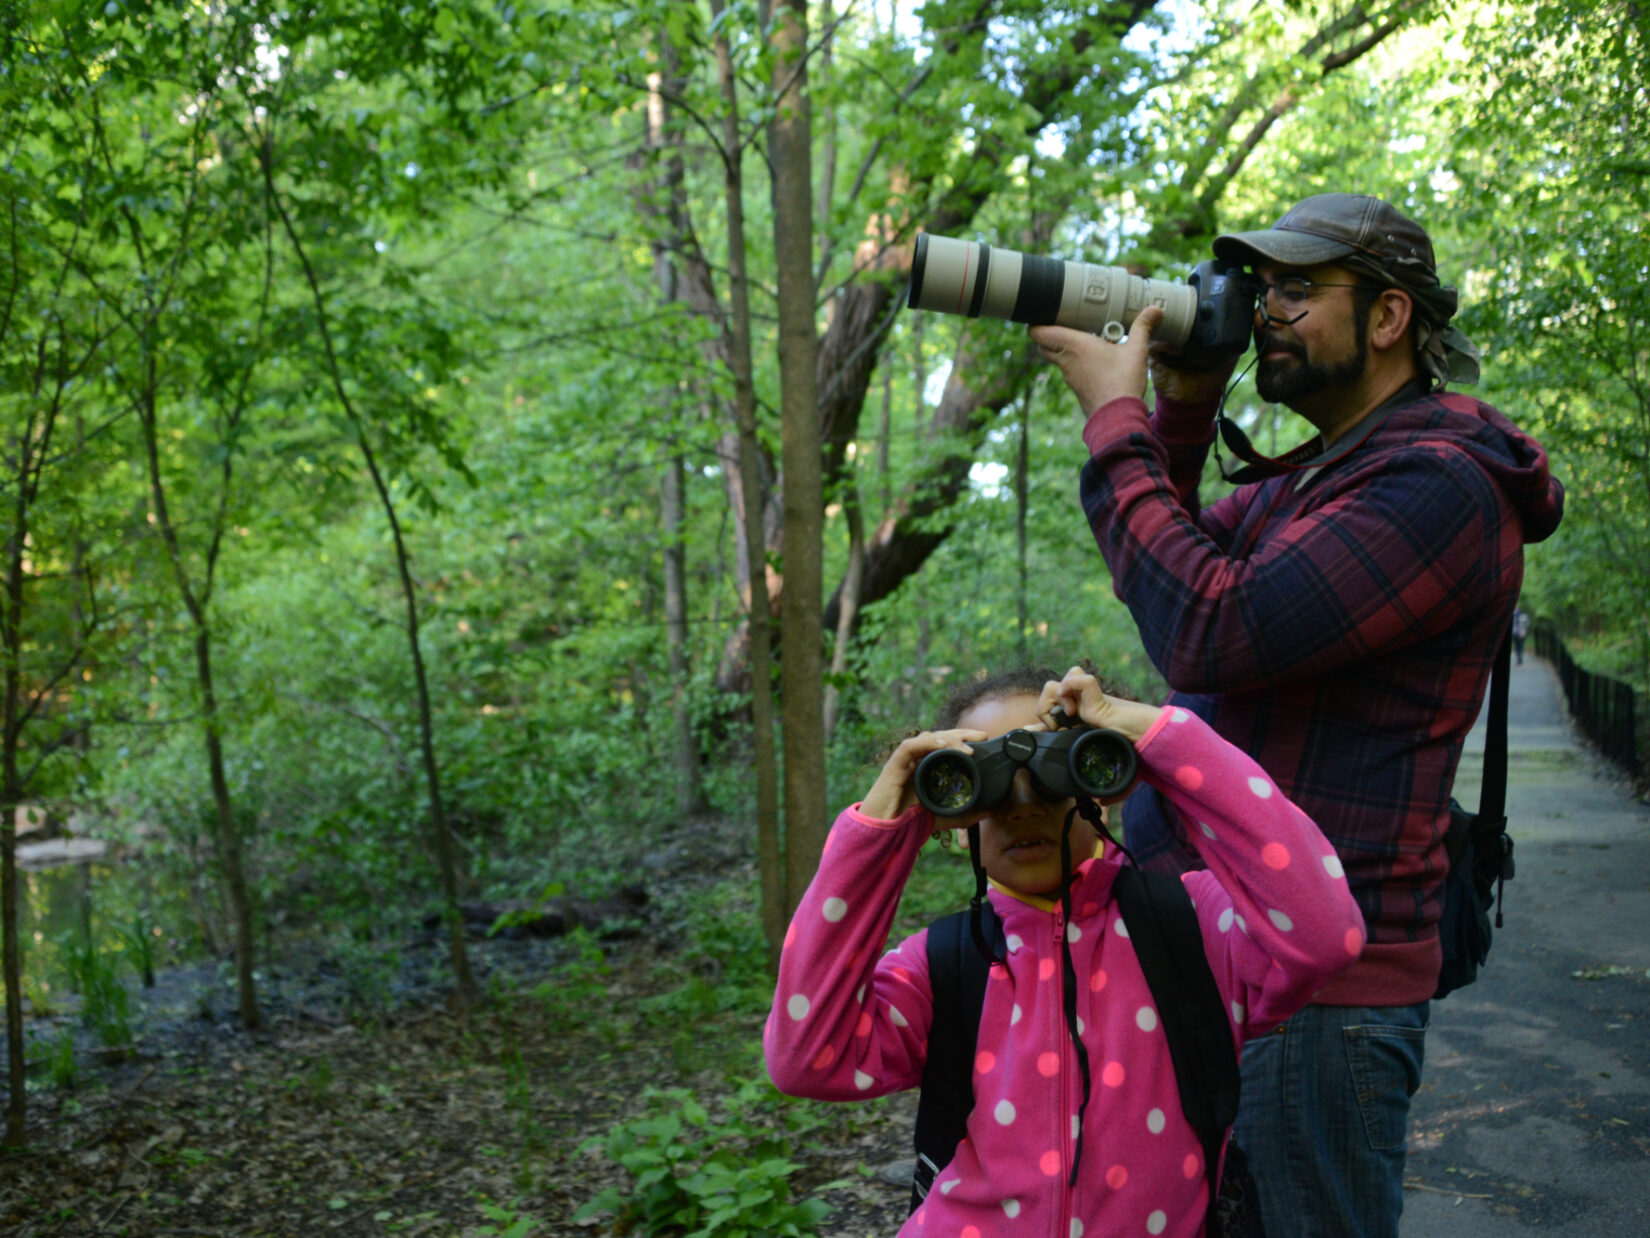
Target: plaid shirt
[{"x": 1338, "y": 624}]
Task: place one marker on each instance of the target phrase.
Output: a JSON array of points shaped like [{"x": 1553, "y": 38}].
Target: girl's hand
[
  {"x": 895, "y": 788},
  {"x": 1081, "y": 696}
]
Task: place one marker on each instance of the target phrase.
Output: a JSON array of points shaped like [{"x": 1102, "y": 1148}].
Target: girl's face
[{"x": 1020, "y": 837}]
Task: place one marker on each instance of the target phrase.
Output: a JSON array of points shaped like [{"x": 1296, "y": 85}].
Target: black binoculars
[{"x": 1076, "y": 761}]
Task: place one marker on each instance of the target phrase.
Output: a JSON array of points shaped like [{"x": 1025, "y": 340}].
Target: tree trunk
[
  {"x": 665, "y": 144},
  {"x": 791, "y": 153},
  {"x": 848, "y": 609},
  {"x": 226, "y": 836},
  {"x": 689, "y": 789},
  {"x": 441, "y": 838},
  {"x": 11, "y": 795},
  {"x": 1022, "y": 469},
  {"x": 758, "y": 625}
]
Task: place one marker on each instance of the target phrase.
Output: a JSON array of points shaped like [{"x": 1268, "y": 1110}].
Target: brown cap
[{"x": 1329, "y": 226}]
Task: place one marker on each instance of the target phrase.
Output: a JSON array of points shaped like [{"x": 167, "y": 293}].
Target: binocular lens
[
  {"x": 946, "y": 783},
  {"x": 1103, "y": 762}
]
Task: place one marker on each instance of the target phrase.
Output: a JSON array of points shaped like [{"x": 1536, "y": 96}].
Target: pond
[{"x": 63, "y": 906}]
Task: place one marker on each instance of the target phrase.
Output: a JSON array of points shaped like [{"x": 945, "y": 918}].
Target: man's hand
[
  {"x": 1202, "y": 384},
  {"x": 1099, "y": 372}
]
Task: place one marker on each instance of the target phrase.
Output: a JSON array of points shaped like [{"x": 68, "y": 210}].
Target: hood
[{"x": 1508, "y": 454}]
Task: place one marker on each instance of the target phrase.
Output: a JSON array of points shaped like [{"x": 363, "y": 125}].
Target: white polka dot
[
  {"x": 1178, "y": 715},
  {"x": 1242, "y": 924},
  {"x": 1332, "y": 865},
  {"x": 1076, "y": 1125},
  {"x": 1076, "y": 1228},
  {"x": 1157, "y": 1222},
  {"x": 1014, "y": 942},
  {"x": 1081, "y": 1027},
  {"x": 797, "y": 1007},
  {"x": 1208, "y": 830},
  {"x": 1073, "y": 932},
  {"x": 1237, "y": 1012},
  {"x": 1011, "y": 1208},
  {"x": 1122, "y": 929},
  {"x": 947, "y": 1187},
  {"x": 1004, "y": 1113},
  {"x": 1155, "y": 1121},
  {"x": 1146, "y": 1019},
  {"x": 862, "y": 1081},
  {"x": 1225, "y": 921},
  {"x": 1261, "y": 787},
  {"x": 835, "y": 909},
  {"x": 1015, "y": 1016},
  {"x": 1283, "y": 922},
  {"x": 860, "y": 996},
  {"x": 897, "y": 1018}
]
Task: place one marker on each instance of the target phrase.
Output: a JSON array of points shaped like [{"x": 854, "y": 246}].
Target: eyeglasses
[{"x": 1294, "y": 291}]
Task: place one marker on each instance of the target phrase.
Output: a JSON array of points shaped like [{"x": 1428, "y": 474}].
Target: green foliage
[
  {"x": 510, "y": 1222},
  {"x": 139, "y": 944},
  {"x": 1553, "y": 165},
  {"x": 577, "y": 989},
  {"x": 61, "y": 1064},
  {"x": 95, "y": 974},
  {"x": 699, "y": 1175}
]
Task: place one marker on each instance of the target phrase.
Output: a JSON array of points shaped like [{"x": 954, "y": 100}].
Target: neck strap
[{"x": 1314, "y": 452}]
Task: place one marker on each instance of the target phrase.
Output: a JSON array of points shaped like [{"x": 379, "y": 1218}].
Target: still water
[{"x": 66, "y": 902}]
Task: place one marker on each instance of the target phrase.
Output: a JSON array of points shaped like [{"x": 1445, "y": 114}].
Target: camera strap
[{"x": 1311, "y": 454}]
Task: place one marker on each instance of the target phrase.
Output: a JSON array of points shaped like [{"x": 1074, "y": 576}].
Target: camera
[
  {"x": 1210, "y": 316},
  {"x": 1075, "y": 761}
]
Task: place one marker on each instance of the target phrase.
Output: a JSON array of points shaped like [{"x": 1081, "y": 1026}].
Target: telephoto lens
[{"x": 1211, "y": 314}]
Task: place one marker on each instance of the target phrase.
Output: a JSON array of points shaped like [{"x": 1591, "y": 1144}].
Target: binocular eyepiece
[{"x": 1078, "y": 761}]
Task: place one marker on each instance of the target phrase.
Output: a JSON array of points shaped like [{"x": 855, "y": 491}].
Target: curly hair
[{"x": 1019, "y": 681}]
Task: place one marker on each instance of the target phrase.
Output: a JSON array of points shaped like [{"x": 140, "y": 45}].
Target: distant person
[
  {"x": 1336, "y": 619},
  {"x": 1520, "y": 630},
  {"x": 851, "y": 1022}
]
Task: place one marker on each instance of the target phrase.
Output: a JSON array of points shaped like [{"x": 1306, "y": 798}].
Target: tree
[
  {"x": 1555, "y": 169},
  {"x": 790, "y": 150}
]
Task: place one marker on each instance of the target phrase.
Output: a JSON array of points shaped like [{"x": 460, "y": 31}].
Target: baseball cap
[
  {"x": 1330, "y": 226},
  {"x": 1380, "y": 242}
]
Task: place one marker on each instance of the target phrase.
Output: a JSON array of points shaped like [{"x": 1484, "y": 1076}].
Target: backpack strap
[
  {"x": 1163, "y": 927},
  {"x": 957, "y": 975},
  {"x": 1492, "y": 845}
]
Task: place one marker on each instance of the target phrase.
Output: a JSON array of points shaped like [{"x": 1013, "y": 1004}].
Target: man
[{"x": 1338, "y": 620}]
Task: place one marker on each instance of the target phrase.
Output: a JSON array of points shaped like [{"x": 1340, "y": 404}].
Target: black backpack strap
[
  {"x": 957, "y": 974},
  {"x": 1492, "y": 845},
  {"x": 1163, "y": 927}
]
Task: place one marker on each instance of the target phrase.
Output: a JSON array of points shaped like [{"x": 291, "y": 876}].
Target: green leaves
[{"x": 701, "y": 1176}]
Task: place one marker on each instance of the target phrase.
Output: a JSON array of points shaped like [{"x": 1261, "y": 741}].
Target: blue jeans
[{"x": 1324, "y": 1114}]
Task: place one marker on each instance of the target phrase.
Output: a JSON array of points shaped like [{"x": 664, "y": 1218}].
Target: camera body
[
  {"x": 1075, "y": 762},
  {"x": 1209, "y": 317}
]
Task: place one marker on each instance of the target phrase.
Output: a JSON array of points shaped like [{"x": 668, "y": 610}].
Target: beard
[{"x": 1290, "y": 380}]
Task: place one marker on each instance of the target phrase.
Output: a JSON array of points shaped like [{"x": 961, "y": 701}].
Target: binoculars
[{"x": 1076, "y": 761}]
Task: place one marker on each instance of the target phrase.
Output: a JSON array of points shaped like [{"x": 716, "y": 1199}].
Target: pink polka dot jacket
[{"x": 850, "y": 1022}]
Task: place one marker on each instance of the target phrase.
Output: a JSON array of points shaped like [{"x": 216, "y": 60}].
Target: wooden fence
[{"x": 1609, "y": 712}]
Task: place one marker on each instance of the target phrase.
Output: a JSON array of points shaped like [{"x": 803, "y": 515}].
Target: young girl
[{"x": 850, "y": 1022}]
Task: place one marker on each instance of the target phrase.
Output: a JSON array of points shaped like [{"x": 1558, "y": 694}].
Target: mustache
[{"x": 1266, "y": 342}]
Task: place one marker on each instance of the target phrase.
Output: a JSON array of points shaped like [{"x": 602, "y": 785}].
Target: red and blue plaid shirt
[{"x": 1339, "y": 624}]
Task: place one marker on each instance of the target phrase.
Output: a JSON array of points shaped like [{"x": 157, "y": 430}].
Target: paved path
[{"x": 1534, "y": 1116}]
